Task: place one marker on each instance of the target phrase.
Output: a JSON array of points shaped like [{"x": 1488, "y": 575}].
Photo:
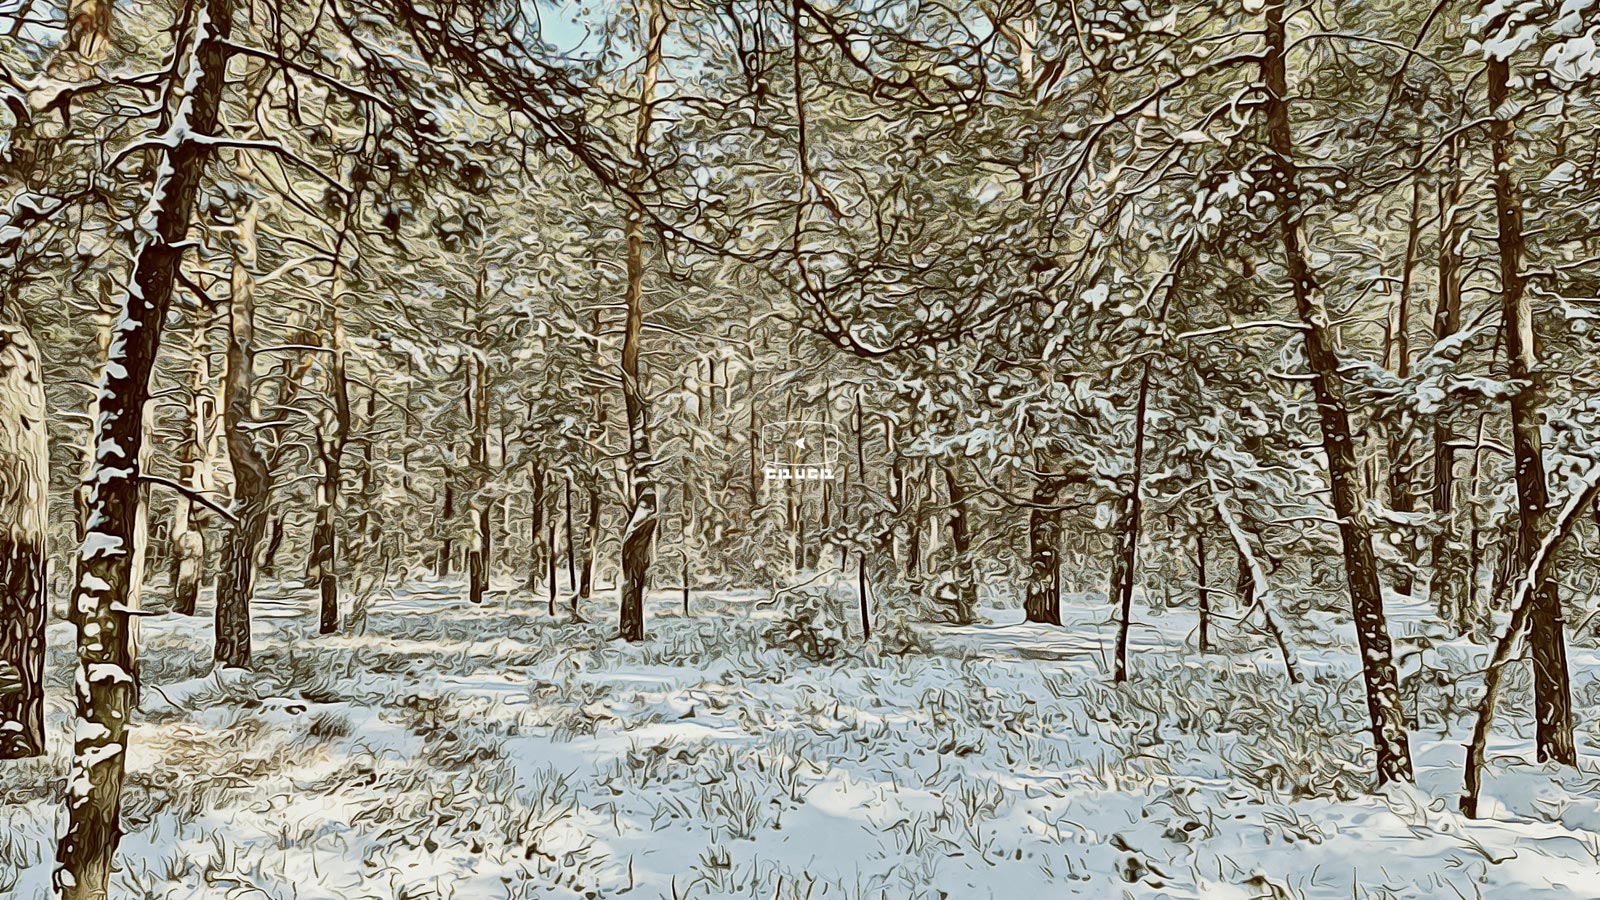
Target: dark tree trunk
[
  {"x": 1043, "y": 600},
  {"x": 1133, "y": 511},
  {"x": 333, "y": 434},
  {"x": 447, "y": 514},
  {"x": 110, "y": 558},
  {"x": 591, "y": 542},
  {"x": 1385, "y": 713},
  {"x": 572, "y": 553},
  {"x": 24, "y": 485},
  {"x": 188, "y": 535},
  {"x": 481, "y": 549},
  {"x": 1205, "y": 589},
  {"x": 274, "y": 539},
  {"x": 638, "y": 537},
  {"x": 536, "y": 528},
  {"x": 965, "y": 610},
  {"x": 1547, "y": 639},
  {"x": 252, "y": 472},
  {"x": 1448, "y": 581}
]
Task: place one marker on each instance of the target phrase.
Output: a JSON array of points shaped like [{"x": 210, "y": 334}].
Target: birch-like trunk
[{"x": 24, "y": 481}]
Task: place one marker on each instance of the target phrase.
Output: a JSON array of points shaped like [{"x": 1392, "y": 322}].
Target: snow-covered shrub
[
  {"x": 895, "y": 634},
  {"x": 806, "y": 626}
]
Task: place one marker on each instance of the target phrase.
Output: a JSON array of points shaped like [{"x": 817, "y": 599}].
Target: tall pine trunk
[
  {"x": 1386, "y": 716},
  {"x": 24, "y": 481},
  {"x": 195, "y": 459},
  {"x": 333, "y": 434},
  {"x": 1552, "y": 692},
  {"x": 1042, "y": 602},
  {"x": 638, "y": 537},
  {"x": 1132, "y": 514},
  {"x": 109, "y": 560},
  {"x": 1448, "y": 581},
  {"x": 964, "y": 611},
  {"x": 252, "y": 472}
]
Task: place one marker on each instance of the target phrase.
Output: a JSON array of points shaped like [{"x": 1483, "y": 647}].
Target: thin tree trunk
[
  {"x": 965, "y": 610},
  {"x": 1401, "y": 499},
  {"x": 572, "y": 553},
  {"x": 1551, "y": 681},
  {"x": 481, "y": 548},
  {"x": 1042, "y": 602},
  {"x": 1539, "y": 569},
  {"x": 109, "y": 559},
  {"x": 1448, "y": 581},
  {"x": 1384, "y": 711},
  {"x": 447, "y": 512},
  {"x": 592, "y": 541},
  {"x": 24, "y": 485},
  {"x": 252, "y": 472},
  {"x": 188, "y": 536},
  {"x": 333, "y": 434},
  {"x": 1131, "y": 515},
  {"x": 536, "y": 527},
  {"x": 1205, "y": 591},
  {"x": 638, "y": 537}
]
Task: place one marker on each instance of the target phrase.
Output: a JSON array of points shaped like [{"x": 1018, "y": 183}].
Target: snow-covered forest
[{"x": 795, "y": 449}]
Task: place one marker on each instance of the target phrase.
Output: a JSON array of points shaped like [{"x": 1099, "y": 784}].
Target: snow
[
  {"x": 98, "y": 544},
  {"x": 490, "y": 752}
]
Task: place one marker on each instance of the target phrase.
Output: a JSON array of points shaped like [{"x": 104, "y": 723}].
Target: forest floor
[{"x": 458, "y": 753}]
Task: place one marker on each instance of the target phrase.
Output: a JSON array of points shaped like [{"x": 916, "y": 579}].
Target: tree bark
[
  {"x": 1386, "y": 716},
  {"x": 1551, "y": 681},
  {"x": 109, "y": 560},
  {"x": 1132, "y": 513},
  {"x": 638, "y": 538},
  {"x": 965, "y": 609},
  {"x": 1401, "y": 499},
  {"x": 252, "y": 471},
  {"x": 1448, "y": 580},
  {"x": 1043, "y": 600},
  {"x": 333, "y": 434},
  {"x": 536, "y": 527},
  {"x": 1205, "y": 589},
  {"x": 195, "y": 460},
  {"x": 24, "y": 485},
  {"x": 480, "y": 548}
]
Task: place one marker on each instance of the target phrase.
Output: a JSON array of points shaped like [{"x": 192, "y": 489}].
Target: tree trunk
[
  {"x": 195, "y": 455},
  {"x": 1043, "y": 600},
  {"x": 252, "y": 472},
  {"x": 1547, "y": 640},
  {"x": 591, "y": 541},
  {"x": 1205, "y": 591},
  {"x": 481, "y": 548},
  {"x": 572, "y": 553},
  {"x": 447, "y": 512},
  {"x": 110, "y": 557},
  {"x": 536, "y": 528},
  {"x": 1448, "y": 581},
  {"x": 1372, "y": 630},
  {"x": 1131, "y": 514},
  {"x": 1401, "y": 499},
  {"x": 638, "y": 538},
  {"x": 333, "y": 433},
  {"x": 965, "y": 610},
  {"x": 24, "y": 485}
]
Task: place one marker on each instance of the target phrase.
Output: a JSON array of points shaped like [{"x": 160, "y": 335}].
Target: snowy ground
[{"x": 453, "y": 752}]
